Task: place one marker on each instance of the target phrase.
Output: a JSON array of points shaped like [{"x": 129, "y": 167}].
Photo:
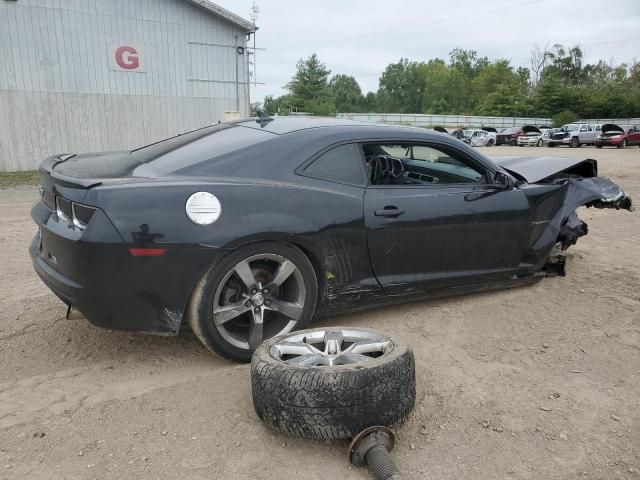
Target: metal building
[{"x": 92, "y": 75}]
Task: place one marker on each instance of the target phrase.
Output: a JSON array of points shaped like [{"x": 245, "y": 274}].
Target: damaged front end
[
  {"x": 555, "y": 196},
  {"x": 597, "y": 192}
]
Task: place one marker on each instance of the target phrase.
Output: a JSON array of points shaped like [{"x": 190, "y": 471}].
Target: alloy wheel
[
  {"x": 331, "y": 347},
  {"x": 260, "y": 297}
]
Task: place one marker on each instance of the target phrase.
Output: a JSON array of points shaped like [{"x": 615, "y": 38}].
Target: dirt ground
[{"x": 539, "y": 382}]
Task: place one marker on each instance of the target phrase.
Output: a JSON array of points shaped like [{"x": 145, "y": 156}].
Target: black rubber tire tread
[
  {"x": 200, "y": 312},
  {"x": 333, "y": 402}
]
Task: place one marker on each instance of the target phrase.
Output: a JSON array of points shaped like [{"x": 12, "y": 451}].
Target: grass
[{"x": 13, "y": 179}]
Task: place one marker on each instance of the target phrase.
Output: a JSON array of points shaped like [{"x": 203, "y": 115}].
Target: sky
[{"x": 361, "y": 37}]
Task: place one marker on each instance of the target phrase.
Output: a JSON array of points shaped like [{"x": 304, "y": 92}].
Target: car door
[
  {"x": 583, "y": 134},
  {"x": 633, "y": 137},
  {"x": 442, "y": 225}
]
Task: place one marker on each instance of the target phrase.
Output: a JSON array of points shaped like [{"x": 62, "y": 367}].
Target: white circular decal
[{"x": 203, "y": 208}]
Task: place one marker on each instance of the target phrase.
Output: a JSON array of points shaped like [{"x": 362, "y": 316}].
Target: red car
[
  {"x": 618, "y": 136},
  {"x": 509, "y": 136}
]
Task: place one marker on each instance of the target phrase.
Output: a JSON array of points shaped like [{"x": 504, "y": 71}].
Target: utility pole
[
  {"x": 254, "y": 17},
  {"x": 237, "y": 84}
]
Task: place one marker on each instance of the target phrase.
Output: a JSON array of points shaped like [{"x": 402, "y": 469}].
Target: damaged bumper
[{"x": 597, "y": 192}]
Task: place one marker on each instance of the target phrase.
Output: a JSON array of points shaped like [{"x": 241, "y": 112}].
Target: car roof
[{"x": 288, "y": 124}]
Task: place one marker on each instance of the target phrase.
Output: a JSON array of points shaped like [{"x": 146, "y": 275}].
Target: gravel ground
[{"x": 540, "y": 382}]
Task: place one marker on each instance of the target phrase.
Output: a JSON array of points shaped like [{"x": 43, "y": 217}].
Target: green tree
[
  {"x": 564, "y": 117},
  {"x": 309, "y": 85},
  {"x": 371, "y": 103},
  {"x": 401, "y": 87},
  {"x": 347, "y": 93}
]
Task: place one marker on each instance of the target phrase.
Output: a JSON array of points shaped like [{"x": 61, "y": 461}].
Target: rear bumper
[{"x": 93, "y": 271}]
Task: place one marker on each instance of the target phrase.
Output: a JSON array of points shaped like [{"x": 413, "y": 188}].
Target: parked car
[
  {"x": 479, "y": 138},
  {"x": 532, "y": 138},
  {"x": 575, "y": 135},
  {"x": 618, "y": 136},
  {"x": 546, "y": 134},
  {"x": 509, "y": 136},
  {"x": 254, "y": 228}
]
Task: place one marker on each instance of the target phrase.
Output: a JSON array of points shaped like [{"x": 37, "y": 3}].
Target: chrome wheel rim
[
  {"x": 331, "y": 347},
  {"x": 261, "y": 297}
]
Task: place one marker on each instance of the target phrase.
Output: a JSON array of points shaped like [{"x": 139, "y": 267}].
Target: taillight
[
  {"x": 79, "y": 214},
  {"x": 63, "y": 208}
]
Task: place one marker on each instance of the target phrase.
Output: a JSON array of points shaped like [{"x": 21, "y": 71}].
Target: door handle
[{"x": 389, "y": 211}]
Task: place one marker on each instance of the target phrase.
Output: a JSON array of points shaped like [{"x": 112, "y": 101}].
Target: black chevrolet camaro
[{"x": 253, "y": 228}]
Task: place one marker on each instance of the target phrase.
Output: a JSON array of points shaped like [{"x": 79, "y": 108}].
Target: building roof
[{"x": 226, "y": 14}]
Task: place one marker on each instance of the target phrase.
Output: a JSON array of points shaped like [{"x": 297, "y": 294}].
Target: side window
[
  {"x": 416, "y": 164},
  {"x": 589, "y": 129},
  {"x": 340, "y": 164}
]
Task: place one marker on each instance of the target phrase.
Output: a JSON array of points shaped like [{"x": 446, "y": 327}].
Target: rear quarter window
[{"x": 341, "y": 164}]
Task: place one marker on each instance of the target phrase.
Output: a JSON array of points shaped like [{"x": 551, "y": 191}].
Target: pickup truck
[{"x": 575, "y": 135}]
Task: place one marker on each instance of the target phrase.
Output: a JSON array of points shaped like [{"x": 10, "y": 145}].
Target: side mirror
[{"x": 505, "y": 181}]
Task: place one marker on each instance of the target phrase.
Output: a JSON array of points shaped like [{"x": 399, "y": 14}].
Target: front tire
[
  {"x": 254, "y": 293},
  {"x": 539, "y": 144},
  {"x": 575, "y": 143},
  {"x": 623, "y": 143}
]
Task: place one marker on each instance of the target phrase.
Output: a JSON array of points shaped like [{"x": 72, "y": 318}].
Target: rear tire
[
  {"x": 513, "y": 142},
  {"x": 222, "y": 284}
]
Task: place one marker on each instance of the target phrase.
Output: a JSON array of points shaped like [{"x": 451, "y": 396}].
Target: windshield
[
  {"x": 510, "y": 130},
  {"x": 569, "y": 128}
]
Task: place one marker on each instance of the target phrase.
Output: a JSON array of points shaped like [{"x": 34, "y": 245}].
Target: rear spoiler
[{"x": 47, "y": 167}]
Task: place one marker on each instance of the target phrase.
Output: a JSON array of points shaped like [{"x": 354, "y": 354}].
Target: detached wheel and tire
[
  {"x": 254, "y": 293},
  {"x": 331, "y": 383}
]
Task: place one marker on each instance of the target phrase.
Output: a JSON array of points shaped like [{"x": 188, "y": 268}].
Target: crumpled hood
[
  {"x": 535, "y": 169},
  {"x": 610, "y": 127},
  {"x": 531, "y": 129}
]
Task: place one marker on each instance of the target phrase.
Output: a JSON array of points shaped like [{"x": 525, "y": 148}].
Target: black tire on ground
[
  {"x": 333, "y": 402},
  {"x": 513, "y": 142},
  {"x": 598, "y": 146},
  {"x": 623, "y": 144},
  {"x": 540, "y": 143},
  {"x": 200, "y": 314},
  {"x": 575, "y": 142},
  {"x": 490, "y": 143}
]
